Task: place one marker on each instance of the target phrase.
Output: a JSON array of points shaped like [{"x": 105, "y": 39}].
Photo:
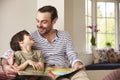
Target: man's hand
[
  {"x": 9, "y": 71},
  {"x": 10, "y": 59},
  {"x": 78, "y": 65}
]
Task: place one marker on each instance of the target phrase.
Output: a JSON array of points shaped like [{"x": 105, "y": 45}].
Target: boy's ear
[{"x": 20, "y": 42}]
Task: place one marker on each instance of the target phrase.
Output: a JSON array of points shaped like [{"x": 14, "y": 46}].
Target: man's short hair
[{"x": 49, "y": 9}]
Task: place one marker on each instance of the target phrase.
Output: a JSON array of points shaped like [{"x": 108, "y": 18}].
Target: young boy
[{"x": 25, "y": 58}]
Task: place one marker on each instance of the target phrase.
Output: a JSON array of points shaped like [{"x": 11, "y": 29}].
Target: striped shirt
[{"x": 58, "y": 51}]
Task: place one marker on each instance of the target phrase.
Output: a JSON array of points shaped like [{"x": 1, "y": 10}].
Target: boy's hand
[{"x": 35, "y": 65}]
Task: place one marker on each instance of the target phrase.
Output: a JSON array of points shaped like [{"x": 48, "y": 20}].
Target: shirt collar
[{"x": 57, "y": 34}]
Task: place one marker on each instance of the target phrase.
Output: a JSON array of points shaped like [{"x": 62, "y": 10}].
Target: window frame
[{"x": 94, "y": 21}]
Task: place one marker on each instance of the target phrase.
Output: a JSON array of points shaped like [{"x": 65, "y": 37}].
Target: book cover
[{"x": 54, "y": 73}]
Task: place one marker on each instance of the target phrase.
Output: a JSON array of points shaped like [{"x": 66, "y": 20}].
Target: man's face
[{"x": 44, "y": 23}]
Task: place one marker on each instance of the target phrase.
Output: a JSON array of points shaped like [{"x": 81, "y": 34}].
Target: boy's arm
[{"x": 21, "y": 66}]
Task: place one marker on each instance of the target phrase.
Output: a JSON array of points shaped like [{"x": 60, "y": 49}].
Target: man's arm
[
  {"x": 9, "y": 71},
  {"x": 8, "y": 56},
  {"x": 7, "y": 68},
  {"x": 7, "y": 53},
  {"x": 4, "y": 62},
  {"x": 73, "y": 57}
]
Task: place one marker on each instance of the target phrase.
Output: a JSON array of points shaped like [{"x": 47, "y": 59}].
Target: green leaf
[{"x": 93, "y": 41}]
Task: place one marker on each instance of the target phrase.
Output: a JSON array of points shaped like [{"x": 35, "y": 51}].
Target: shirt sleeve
[
  {"x": 71, "y": 54},
  {"x": 17, "y": 58},
  {"x": 7, "y": 53}
]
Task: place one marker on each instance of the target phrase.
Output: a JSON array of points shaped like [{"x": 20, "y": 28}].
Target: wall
[
  {"x": 59, "y": 4},
  {"x": 71, "y": 18},
  {"x": 75, "y": 23},
  {"x": 15, "y": 15}
]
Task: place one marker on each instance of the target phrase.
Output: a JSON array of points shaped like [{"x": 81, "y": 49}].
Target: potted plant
[
  {"x": 93, "y": 43},
  {"x": 108, "y": 45},
  {"x": 94, "y": 31}
]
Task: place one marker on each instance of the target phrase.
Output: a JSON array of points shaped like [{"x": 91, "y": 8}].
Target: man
[{"x": 55, "y": 45}]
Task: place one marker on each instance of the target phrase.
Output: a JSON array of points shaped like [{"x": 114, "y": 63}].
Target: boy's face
[{"x": 28, "y": 41}]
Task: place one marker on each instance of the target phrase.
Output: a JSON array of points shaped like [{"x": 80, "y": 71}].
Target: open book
[{"x": 53, "y": 73}]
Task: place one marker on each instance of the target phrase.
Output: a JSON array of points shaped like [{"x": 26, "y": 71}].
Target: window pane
[
  {"x": 88, "y": 37},
  {"x": 88, "y": 11},
  {"x": 119, "y": 10},
  {"x": 110, "y": 25},
  {"x": 101, "y": 24},
  {"x": 101, "y": 39},
  {"x": 110, "y": 10},
  {"x": 88, "y": 45},
  {"x": 111, "y": 39},
  {"x": 89, "y": 21},
  {"x": 89, "y": 7},
  {"x": 86, "y": 3},
  {"x": 100, "y": 9},
  {"x": 119, "y": 23}
]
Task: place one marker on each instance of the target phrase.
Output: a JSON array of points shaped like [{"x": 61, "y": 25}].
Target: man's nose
[{"x": 39, "y": 24}]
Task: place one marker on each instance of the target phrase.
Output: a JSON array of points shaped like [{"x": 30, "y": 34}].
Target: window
[
  {"x": 104, "y": 14},
  {"x": 88, "y": 18},
  {"x": 106, "y": 23}
]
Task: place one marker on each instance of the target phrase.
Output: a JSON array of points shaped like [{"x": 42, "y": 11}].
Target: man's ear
[{"x": 54, "y": 21}]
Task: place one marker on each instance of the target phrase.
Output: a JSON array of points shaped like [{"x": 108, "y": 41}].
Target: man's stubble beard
[{"x": 46, "y": 31}]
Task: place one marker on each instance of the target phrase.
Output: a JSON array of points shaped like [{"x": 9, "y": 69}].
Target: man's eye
[
  {"x": 44, "y": 22},
  {"x": 37, "y": 21}
]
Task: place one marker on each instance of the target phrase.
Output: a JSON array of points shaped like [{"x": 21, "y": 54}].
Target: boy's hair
[
  {"x": 16, "y": 38},
  {"x": 49, "y": 9}
]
